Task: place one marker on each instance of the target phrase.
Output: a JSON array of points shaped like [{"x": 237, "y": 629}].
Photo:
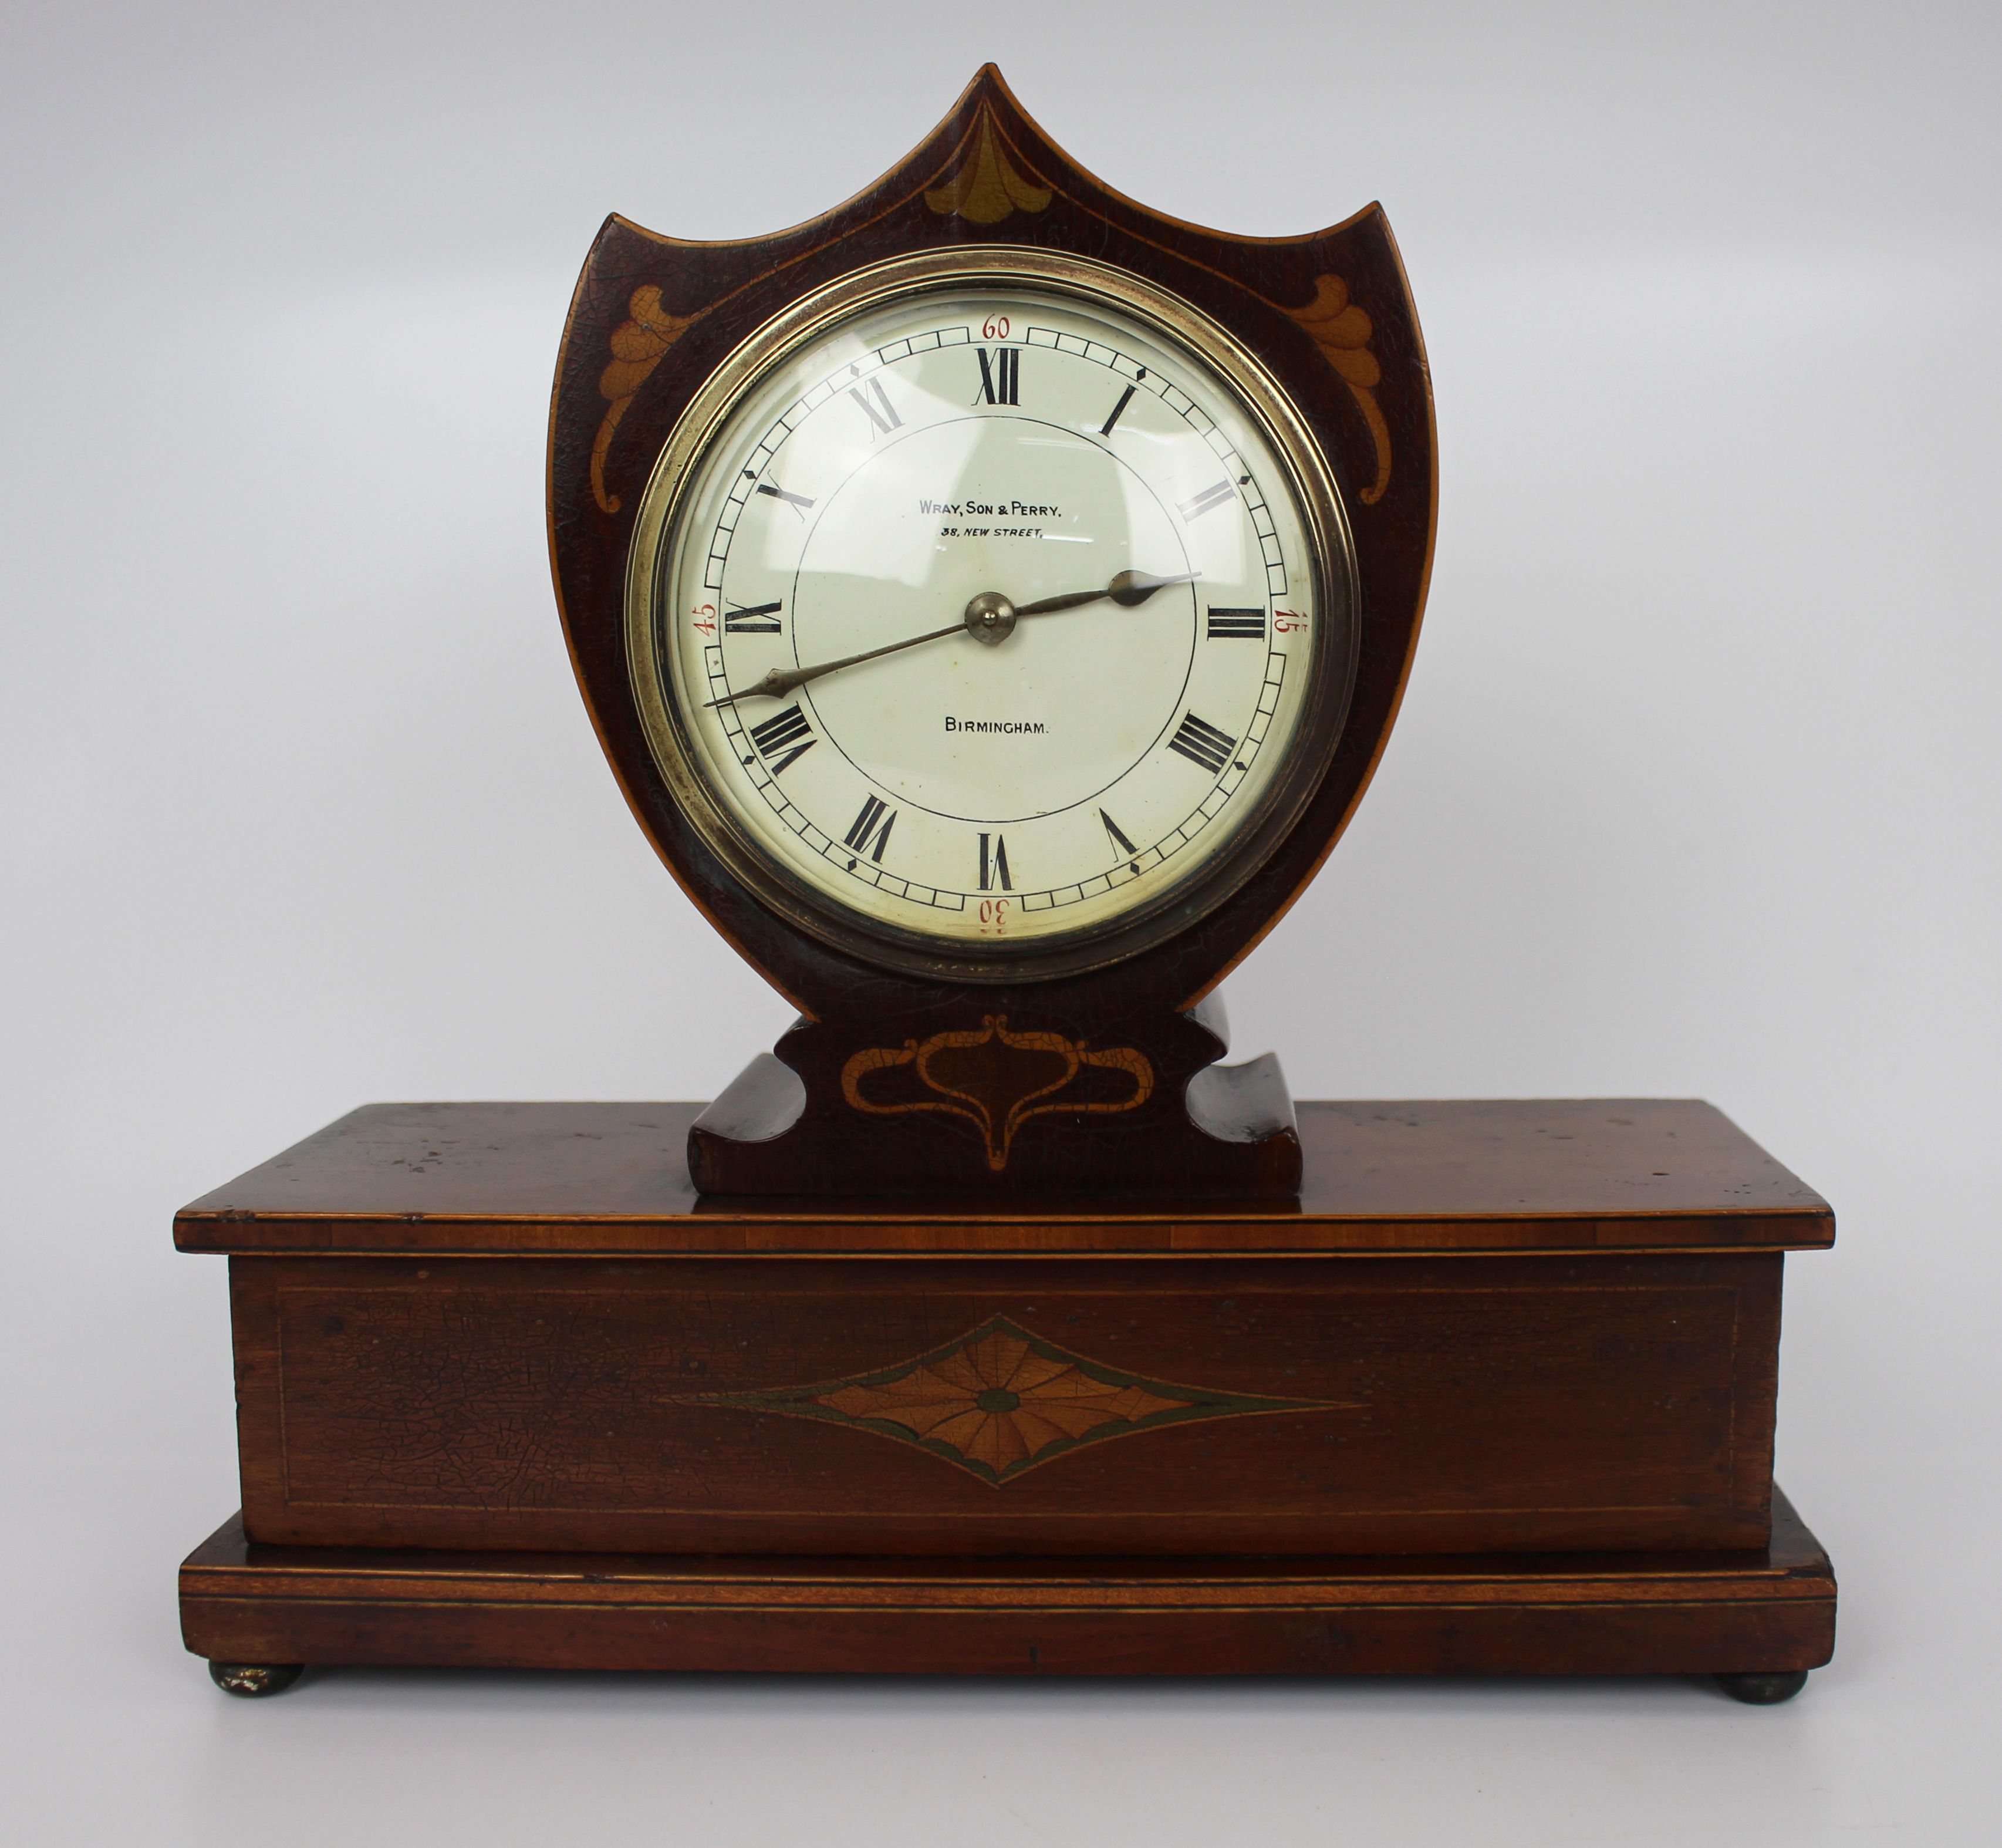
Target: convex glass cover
[{"x": 991, "y": 615}]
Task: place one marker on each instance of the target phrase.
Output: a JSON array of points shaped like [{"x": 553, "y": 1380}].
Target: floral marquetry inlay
[
  {"x": 999, "y": 1401},
  {"x": 1343, "y": 333},
  {"x": 998, "y": 1079},
  {"x": 985, "y": 187}
]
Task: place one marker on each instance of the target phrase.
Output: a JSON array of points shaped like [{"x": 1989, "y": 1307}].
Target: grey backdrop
[{"x": 1695, "y": 792}]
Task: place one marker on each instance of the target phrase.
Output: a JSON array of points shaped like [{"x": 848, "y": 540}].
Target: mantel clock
[{"x": 993, "y": 598}]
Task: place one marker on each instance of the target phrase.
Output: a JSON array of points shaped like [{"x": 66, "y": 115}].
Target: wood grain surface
[
  {"x": 607, "y": 1179},
  {"x": 1040, "y": 1405},
  {"x": 1762, "y": 1610}
]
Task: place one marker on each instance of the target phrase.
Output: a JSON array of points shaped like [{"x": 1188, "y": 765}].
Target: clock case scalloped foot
[{"x": 1011, "y": 1104}]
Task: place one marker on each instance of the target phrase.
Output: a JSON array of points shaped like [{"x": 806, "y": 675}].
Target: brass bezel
[{"x": 679, "y": 469}]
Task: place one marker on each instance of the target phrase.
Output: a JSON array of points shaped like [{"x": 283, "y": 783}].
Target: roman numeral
[
  {"x": 1201, "y": 742},
  {"x": 875, "y": 820},
  {"x": 782, "y": 734},
  {"x": 754, "y": 620},
  {"x": 1199, "y": 505},
  {"x": 1117, "y": 835},
  {"x": 1125, "y": 398},
  {"x": 1225, "y": 625},
  {"x": 994, "y": 864},
  {"x": 1000, "y": 382},
  {"x": 779, "y": 493},
  {"x": 876, "y": 402}
]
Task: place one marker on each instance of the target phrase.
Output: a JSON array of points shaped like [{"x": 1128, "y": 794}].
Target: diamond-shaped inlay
[{"x": 999, "y": 1400}]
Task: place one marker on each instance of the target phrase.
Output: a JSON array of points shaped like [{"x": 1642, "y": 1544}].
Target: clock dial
[{"x": 987, "y": 616}]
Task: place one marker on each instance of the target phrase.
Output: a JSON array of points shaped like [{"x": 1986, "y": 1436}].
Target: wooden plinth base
[{"x": 1764, "y": 1613}]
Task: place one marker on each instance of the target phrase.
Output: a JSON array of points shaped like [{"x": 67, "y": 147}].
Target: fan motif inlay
[{"x": 999, "y": 1401}]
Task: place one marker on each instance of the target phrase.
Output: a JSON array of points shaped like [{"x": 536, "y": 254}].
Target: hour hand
[{"x": 1128, "y": 590}]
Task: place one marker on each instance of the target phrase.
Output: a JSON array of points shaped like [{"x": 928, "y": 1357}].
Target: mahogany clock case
[
  {"x": 1496, "y": 1393},
  {"x": 1486, "y": 1327},
  {"x": 904, "y": 1080}
]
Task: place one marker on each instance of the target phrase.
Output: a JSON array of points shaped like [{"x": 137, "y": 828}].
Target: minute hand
[{"x": 781, "y": 680}]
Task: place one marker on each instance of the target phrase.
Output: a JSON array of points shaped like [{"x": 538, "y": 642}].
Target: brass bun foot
[
  {"x": 252, "y": 1681},
  {"x": 1764, "y": 1690}
]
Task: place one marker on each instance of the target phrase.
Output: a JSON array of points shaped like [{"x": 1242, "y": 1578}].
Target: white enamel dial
[{"x": 974, "y": 790}]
